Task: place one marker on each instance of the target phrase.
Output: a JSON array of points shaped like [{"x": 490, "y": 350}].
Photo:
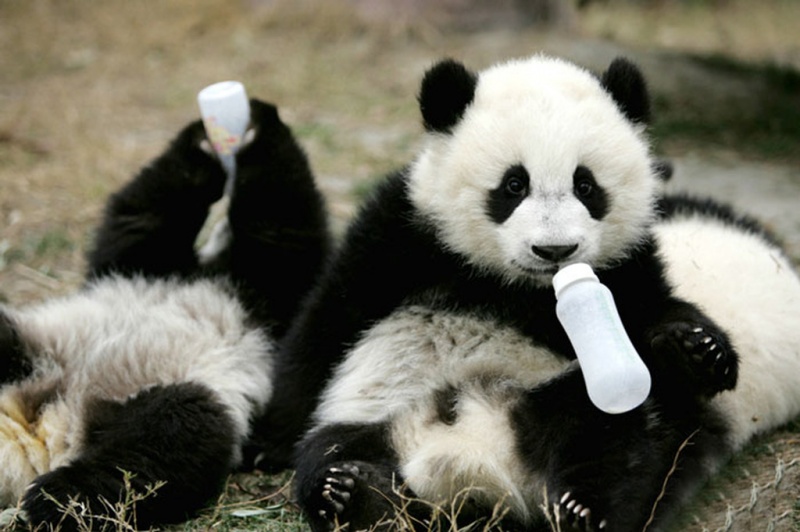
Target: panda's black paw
[
  {"x": 189, "y": 166},
  {"x": 573, "y": 514},
  {"x": 261, "y": 131},
  {"x": 336, "y": 492},
  {"x": 706, "y": 352},
  {"x": 54, "y": 500},
  {"x": 357, "y": 493},
  {"x": 269, "y": 162}
]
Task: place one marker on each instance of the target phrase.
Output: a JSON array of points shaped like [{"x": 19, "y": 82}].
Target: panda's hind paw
[
  {"x": 574, "y": 515},
  {"x": 338, "y": 487},
  {"x": 710, "y": 356},
  {"x": 358, "y": 494},
  {"x": 713, "y": 358}
]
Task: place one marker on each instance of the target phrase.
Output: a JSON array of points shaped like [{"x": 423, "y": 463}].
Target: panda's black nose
[{"x": 554, "y": 253}]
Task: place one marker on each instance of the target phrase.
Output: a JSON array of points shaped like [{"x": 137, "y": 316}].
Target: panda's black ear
[
  {"x": 447, "y": 89},
  {"x": 626, "y": 84}
]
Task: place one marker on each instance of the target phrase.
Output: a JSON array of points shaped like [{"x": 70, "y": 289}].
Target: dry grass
[
  {"x": 91, "y": 90},
  {"x": 747, "y": 30}
]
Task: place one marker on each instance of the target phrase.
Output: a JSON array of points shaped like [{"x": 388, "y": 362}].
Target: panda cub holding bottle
[
  {"x": 150, "y": 375},
  {"x": 442, "y": 375}
]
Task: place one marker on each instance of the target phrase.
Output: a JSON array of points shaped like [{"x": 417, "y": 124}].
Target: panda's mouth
[{"x": 536, "y": 271}]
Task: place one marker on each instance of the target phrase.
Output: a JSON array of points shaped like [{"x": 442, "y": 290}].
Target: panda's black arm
[
  {"x": 383, "y": 258},
  {"x": 151, "y": 223},
  {"x": 278, "y": 221},
  {"x": 177, "y": 434}
]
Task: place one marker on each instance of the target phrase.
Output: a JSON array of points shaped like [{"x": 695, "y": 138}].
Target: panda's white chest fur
[{"x": 446, "y": 385}]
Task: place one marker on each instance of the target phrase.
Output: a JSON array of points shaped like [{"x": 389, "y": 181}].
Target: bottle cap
[
  {"x": 572, "y": 273},
  {"x": 225, "y": 110},
  {"x": 226, "y": 113}
]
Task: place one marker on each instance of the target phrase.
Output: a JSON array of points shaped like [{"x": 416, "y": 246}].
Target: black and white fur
[
  {"x": 159, "y": 364},
  {"x": 738, "y": 272},
  {"x": 445, "y": 377}
]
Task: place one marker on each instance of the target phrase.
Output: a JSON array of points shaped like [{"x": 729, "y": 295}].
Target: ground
[{"x": 90, "y": 92}]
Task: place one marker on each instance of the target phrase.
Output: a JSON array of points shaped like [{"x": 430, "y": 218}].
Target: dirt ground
[{"x": 89, "y": 92}]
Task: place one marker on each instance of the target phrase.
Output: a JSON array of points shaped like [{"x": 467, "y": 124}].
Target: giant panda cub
[
  {"x": 156, "y": 367},
  {"x": 448, "y": 387}
]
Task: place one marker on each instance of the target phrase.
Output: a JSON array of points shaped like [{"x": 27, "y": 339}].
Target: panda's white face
[{"x": 542, "y": 169}]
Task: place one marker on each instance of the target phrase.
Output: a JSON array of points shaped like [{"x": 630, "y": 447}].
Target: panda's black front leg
[
  {"x": 690, "y": 348},
  {"x": 150, "y": 224},
  {"x": 277, "y": 219},
  {"x": 347, "y": 474}
]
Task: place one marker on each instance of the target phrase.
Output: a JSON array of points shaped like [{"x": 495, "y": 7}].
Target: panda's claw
[
  {"x": 206, "y": 147},
  {"x": 337, "y": 506},
  {"x": 248, "y": 137},
  {"x": 348, "y": 469},
  {"x": 347, "y": 482},
  {"x": 330, "y": 525},
  {"x": 574, "y": 515},
  {"x": 332, "y": 494}
]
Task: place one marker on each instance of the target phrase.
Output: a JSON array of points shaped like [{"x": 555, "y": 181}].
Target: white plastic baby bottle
[
  {"x": 225, "y": 110},
  {"x": 616, "y": 378},
  {"x": 226, "y": 113}
]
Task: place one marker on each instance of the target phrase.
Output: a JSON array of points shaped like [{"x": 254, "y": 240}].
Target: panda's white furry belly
[
  {"x": 394, "y": 374},
  {"x": 111, "y": 341},
  {"x": 750, "y": 289}
]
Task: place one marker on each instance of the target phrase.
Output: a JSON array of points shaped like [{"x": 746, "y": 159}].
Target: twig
[{"x": 666, "y": 480}]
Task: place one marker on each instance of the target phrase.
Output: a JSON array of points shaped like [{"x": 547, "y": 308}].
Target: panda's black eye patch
[
  {"x": 590, "y": 193},
  {"x": 512, "y": 189}
]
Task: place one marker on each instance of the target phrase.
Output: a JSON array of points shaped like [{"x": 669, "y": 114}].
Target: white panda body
[
  {"x": 433, "y": 353},
  {"x": 116, "y": 338},
  {"x": 453, "y": 385},
  {"x": 120, "y": 335},
  {"x": 747, "y": 284},
  {"x": 432, "y": 350}
]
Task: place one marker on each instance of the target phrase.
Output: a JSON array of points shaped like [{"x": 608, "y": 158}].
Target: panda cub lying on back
[
  {"x": 442, "y": 374},
  {"x": 157, "y": 366}
]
